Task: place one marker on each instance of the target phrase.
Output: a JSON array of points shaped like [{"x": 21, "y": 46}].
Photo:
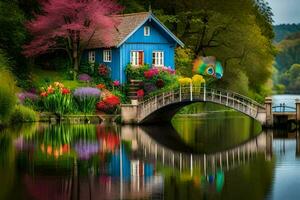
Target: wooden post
[
  {"x": 191, "y": 165},
  {"x": 298, "y": 110},
  {"x": 191, "y": 91},
  {"x": 180, "y": 96},
  {"x": 204, "y": 98},
  {"x": 227, "y": 101}
]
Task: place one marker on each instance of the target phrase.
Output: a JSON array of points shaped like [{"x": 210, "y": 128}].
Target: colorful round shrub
[{"x": 85, "y": 78}]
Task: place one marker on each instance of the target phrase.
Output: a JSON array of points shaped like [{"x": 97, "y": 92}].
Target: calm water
[{"x": 219, "y": 155}]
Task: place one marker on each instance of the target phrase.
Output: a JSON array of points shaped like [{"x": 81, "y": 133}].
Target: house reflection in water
[{"x": 97, "y": 165}]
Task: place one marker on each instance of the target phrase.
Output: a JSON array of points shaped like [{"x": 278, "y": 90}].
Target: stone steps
[{"x": 133, "y": 88}]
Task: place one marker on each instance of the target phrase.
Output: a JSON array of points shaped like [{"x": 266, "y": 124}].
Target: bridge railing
[{"x": 199, "y": 93}]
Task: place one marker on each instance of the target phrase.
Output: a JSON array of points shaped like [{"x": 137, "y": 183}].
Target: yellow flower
[
  {"x": 198, "y": 79},
  {"x": 56, "y": 84},
  {"x": 185, "y": 81}
]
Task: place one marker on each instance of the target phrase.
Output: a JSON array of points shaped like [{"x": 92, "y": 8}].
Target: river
[{"x": 212, "y": 155}]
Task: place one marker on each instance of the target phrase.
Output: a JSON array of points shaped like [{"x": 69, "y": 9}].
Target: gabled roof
[{"x": 128, "y": 25}]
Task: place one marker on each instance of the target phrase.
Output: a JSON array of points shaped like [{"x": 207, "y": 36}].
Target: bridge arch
[{"x": 163, "y": 106}]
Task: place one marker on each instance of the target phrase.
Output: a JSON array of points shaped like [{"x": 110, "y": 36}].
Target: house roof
[{"x": 128, "y": 25}]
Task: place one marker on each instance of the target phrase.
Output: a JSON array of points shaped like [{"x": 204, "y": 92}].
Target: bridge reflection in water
[
  {"x": 124, "y": 162},
  {"x": 207, "y": 163}
]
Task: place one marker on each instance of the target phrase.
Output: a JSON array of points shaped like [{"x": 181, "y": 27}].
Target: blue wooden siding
[
  {"x": 158, "y": 40},
  {"x": 114, "y": 64}
]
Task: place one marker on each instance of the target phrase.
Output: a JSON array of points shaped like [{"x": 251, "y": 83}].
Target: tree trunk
[{"x": 75, "y": 61}]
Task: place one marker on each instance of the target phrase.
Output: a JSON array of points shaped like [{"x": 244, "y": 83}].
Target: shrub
[
  {"x": 23, "y": 114},
  {"x": 136, "y": 72},
  {"x": 56, "y": 98},
  {"x": 84, "y": 78},
  {"x": 7, "y": 91},
  {"x": 198, "y": 79},
  {"x": 86, "y": 98},
  {"x": 109, "y": 104}
]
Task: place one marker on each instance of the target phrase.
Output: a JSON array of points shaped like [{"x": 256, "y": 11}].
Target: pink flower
[{"x": 116, "y": 83}]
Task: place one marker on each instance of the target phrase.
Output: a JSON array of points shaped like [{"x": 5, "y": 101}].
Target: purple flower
[
  {"x": 22, "y": 96},
  {"x": 85, "y": 149},
  {"x": 84, "y": 92},
  {"x": 150, "y": 87},
  {"x": 84, "y": 77}
]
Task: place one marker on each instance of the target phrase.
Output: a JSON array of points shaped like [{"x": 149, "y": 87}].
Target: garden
[{"x": 94, "y": 93}]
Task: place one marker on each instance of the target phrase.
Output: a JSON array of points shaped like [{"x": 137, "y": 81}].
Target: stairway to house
[{"x": 133, "y": 88}]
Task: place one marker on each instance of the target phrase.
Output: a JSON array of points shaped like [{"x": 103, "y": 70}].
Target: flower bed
[{"x": 153, "y": 79}]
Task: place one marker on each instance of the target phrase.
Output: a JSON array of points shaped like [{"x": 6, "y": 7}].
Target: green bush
[
  {"x": 7, "y": 91},
  {"x": 136, "y": 73},
  {"x": 23, "y": 114}
]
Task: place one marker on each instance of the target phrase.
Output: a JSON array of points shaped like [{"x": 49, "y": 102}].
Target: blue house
[{"x": 140, "y": 38}]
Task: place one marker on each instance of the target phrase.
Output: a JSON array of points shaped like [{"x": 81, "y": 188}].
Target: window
[
  {"x": 92, "y": 56},
  {"x": 137, "y": 58},
  {"x": 147, "y": 31},
  {"x": 107, "y": 55},
  {"x": 158, "y": 58}
]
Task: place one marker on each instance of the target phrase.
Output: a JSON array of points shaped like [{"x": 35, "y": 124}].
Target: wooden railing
[{"x": 199, "y": 93}]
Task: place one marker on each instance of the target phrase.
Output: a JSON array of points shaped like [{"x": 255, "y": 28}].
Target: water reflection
[{"x": 42, "y": 161}]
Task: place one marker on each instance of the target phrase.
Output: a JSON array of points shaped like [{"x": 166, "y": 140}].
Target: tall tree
[{"x": 70, "y": 25}]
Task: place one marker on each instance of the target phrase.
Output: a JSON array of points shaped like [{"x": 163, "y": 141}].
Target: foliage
[
  {"x": 70, "y": 25},
  {"x": 86, "y": 98},
  {"x": 57, "y": 99},
  {"x": 238, "y": 33},
  {"x": 284, "y": 30},
  {"x": 184, "y": 61},
  {"x": 109, "y": 104},
  {"x": 7, "y": 90},
  {"x": 291, "y": 79},
  {"x": 136, "y": 73},
  {"x": 23, "y": 114}
]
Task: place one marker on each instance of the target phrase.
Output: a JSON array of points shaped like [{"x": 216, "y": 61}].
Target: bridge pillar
[
  {"x": 129, "y": 113},
  {"x": 298, "y": 110},
  {"x": 269, "y": 112}
]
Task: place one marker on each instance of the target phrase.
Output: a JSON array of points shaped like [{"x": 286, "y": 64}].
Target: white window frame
[
  {"x": 134, "y": 57},
  {"x": 92, "y": 56},
  {"x": 147, "y": 30},
  {"x": 158, "y": 58},
  {"x": 107, "y": 55}
]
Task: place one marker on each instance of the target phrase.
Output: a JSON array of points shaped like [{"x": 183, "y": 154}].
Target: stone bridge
[{"x": 163, "y": 106}]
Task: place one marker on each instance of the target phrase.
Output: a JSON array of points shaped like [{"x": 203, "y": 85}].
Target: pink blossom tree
[{"x": 69, "y": 25}]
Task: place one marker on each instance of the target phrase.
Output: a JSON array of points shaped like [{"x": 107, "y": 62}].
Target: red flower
[
  {"x": 65, "y": 91},
  {"x": 101, "y": 106},
  {"x": 112, "y": 100},
  {"x": 100, "y": 86},
  {"x": 140, "y": 93},
  {"x": 44, "y": 94},
  {"x": 103, "y": 70},
  {"x": 50, "y": 90}
]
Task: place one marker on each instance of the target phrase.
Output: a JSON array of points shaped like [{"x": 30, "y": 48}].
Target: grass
[{"x": 42, "y": 77}]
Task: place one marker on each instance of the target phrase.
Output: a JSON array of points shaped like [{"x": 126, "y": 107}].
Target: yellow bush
[
  {"x": 198, "y": 79},
  {"x": 185, "y": 81}
]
